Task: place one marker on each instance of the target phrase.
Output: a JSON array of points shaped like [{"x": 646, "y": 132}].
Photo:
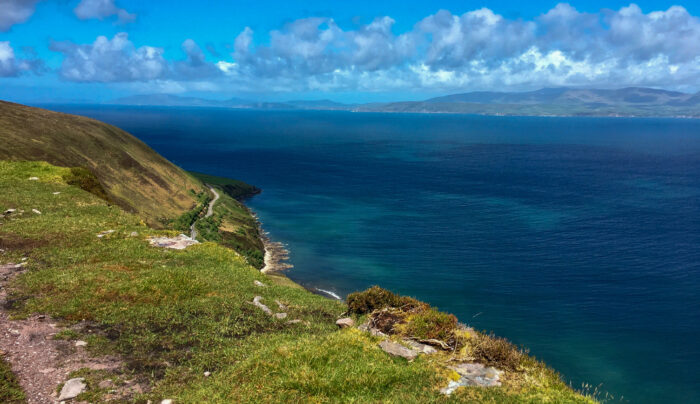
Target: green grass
[
  {"x": 232, "y": 225},
  {"x": 172, "y": 315},
  {"x": 133, "y": 175},
  {"x": 10, "y": 391}
]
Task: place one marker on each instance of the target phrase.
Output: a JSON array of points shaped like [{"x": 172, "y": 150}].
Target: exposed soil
[{"x": 41, "y": 362}]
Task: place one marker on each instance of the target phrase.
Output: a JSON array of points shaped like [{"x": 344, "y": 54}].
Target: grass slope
[
  {"x": 10, "y": 391},
  {"x": 135, "y": 177},
  {"x": 172, "y": 315}
]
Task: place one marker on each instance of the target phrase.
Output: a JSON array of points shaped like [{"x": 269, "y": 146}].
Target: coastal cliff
[{"x": 124, "y": 315}]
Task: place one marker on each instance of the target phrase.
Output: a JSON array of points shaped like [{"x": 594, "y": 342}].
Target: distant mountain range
[{"x": 633, "y": 101}]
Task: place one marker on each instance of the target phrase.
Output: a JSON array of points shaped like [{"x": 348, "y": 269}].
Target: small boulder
[
  {"x": 394, "y": 349},
  {"x": 258, "y": 283},
  {"x": 134, "y": 234},
  {"x": 207, "y": 374},
  {"x": 166, "y": 401},
  {"x": 106, "y": 384},
  {"x": 72, "y": 388},
  {"x": 36, "y": 211},
  {"x": 80, "y": 343},
  {"x": 56, "y": 193},
  {"x": 33, "y": 178},
  {"x": 346, "y": 322},
  {"x": 281, "y": 316}
]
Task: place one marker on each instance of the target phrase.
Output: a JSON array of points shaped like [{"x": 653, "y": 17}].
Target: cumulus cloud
[
  {"x": 110, "y": 60},
  {"x": 11, "y": 66},
  {"x": 479, "y": 49},
  {"x": 101, "y": 9},
  {"x": 119, "y": 60},
  {"x": 15, "y": 12}
]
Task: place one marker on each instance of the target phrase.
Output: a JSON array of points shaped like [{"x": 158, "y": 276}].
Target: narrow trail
[{"x": 210, "y": 211}]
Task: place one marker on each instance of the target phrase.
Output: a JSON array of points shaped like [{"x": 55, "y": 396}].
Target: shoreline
[{"x": 276, "y": 261}]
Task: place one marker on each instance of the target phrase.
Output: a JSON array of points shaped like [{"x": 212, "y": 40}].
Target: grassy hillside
[
  {"x": 134, "y": 176},
  {"x": 174, "y": 315}
]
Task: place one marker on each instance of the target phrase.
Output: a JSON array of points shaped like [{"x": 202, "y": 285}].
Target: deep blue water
[{"x": 578, "y": 238}]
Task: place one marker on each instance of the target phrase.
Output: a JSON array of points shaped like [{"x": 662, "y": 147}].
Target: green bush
[
  {"x": 496, "y": 351},
  {"x": 432, "y": 324},
  {"x": 376, "y": 298},
  {"x": 86, "y": 180}
]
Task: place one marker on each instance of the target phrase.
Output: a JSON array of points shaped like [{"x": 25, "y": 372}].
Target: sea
[{"x": 576, "y": 238}]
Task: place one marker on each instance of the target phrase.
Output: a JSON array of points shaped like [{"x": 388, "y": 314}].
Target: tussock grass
[
  {"x": 10, "y": 391},
  {"x": 172, "y": 315}
]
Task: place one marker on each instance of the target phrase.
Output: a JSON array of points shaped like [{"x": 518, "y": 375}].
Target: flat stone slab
[
  {"x": 346, "y": 322},
  {"x": 176, "y": 243},
  {"x": 473, "y": 374},
  {"x": 420, "y": 348},
  {"x": 394, "y": 349},
  {"x": 72, "y": 388}
]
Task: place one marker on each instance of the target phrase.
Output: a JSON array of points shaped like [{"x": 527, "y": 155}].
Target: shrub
[
  {"x": 495, "y": 351},
  {"x": 86, "y": 180},
  {"x": 431, "y": 324},
  {"x": 376, "y": 298}
]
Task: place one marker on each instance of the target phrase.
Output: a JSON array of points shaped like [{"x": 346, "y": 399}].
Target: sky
[{"x": 349, "y": 51}]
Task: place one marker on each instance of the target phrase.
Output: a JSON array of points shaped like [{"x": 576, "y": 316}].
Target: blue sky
[{"x": 97, "y": 50}]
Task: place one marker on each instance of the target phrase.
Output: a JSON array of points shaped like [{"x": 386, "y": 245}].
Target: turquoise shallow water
[{"x": 577, "y": 238}]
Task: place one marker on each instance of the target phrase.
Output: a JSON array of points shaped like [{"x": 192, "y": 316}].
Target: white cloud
[
  {"x": 479, "y": 49},
  {"x": 15, "y": 12},
  {"x": 11, "y": 66},
  {"x": 101, "y": 9},
  {"x": 110, "y": 60}
]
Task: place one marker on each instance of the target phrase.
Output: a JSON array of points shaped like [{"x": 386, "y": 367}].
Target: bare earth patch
[{"x": 41, "y": 362}]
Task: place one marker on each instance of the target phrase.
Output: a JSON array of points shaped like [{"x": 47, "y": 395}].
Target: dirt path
[
  {"x": 40, "y": 362},
  {"x": 210, "y": 211}
]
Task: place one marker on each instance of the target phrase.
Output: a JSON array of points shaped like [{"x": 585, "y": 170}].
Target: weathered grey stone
[
  {"x": 33, "y": 178},
  {"x": 72, "y": 388},
  {"x": 473, "y": 374},
  {"x": 280, "y": 305},
  {"x": 36, "y": 211},
  {"x": 167, "y": 401},
  {"x": 207, "y": 374},
  {"x": 80, "y": 343},
  {"x": 346, "y": 322},
  {"x": 106, "y": 384},
  {"x": 392, "y": 348},
  {"x": 256, "y": 302},
  {"x": 281, "y": 316},
  {"x": 134, "y": 234},
  {"x": 258, "y": 283},
  {"x": 420, "y": 348},
  {"x": 176, "y": 243}
]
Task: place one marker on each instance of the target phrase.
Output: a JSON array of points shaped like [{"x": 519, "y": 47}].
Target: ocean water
[{"x": 578, "y": 238}]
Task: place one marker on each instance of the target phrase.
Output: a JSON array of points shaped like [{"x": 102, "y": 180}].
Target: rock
[
  {"x": 435, "y": 342},
  {"x": 167, "y": 401},
  {"x": 56, "y": 193},
  {"x": 473, "y": 374},
  {"x": 80, "y": 343},
  {"x": 134, "y": 234},
  {"x": 373, "y": 331},
  {"x": 33, "y": 178},
  {"x": 346, "y": 322},
  {"x": 10, "y": 211},
  {"x": 280, "y": 305},
  {"x": 176, "y": 243},
  {"x": 104, "y": 233},
  {"x": 36, "y": 211},
  {"x": 106, "y": 384},
  {"x": 258, "y": 283},
  {"x": 281, "y": 316},
  {"x": 207, "y": 374},
  {"x": 295, "y": 321},
  {"x": 420, "y": 348},
  {"x": 72, "y": 388},
  {"x": 256, "y": 302},
  {"x": 392, "y": 348}
]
